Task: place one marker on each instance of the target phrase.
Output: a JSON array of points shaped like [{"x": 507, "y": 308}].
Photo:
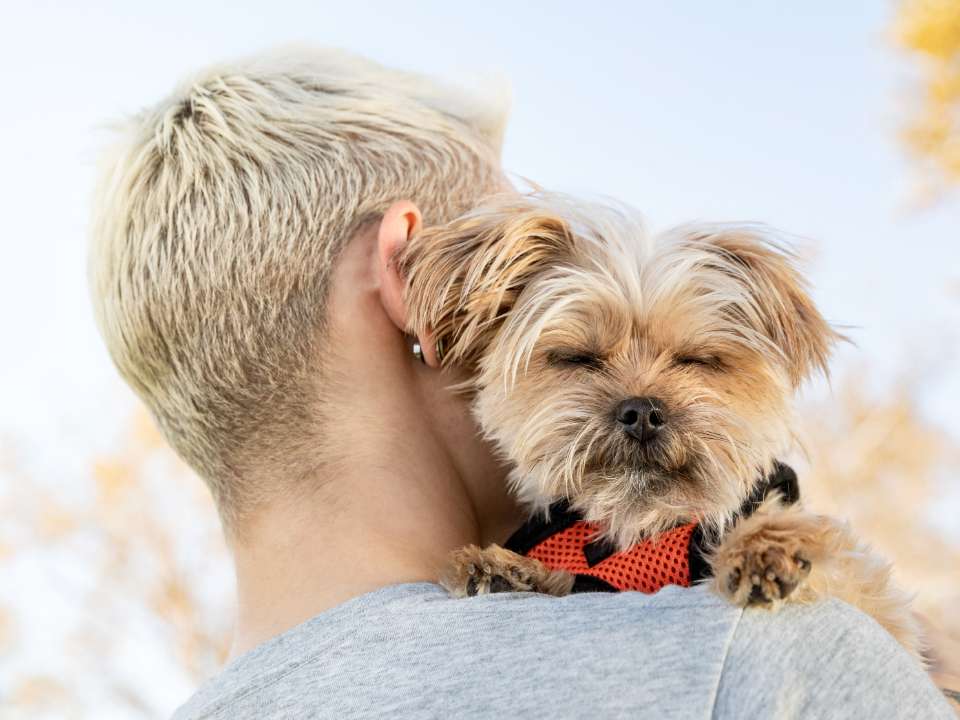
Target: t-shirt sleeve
[{"x": 824, "y": 661}]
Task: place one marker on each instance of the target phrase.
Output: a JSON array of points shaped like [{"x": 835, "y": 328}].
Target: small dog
[{"x": 647, "y": 383}]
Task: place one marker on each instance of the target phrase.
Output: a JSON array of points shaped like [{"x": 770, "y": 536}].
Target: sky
[
  {"x": 775, "y": 112},
  {"x": 785, "y": 113}
]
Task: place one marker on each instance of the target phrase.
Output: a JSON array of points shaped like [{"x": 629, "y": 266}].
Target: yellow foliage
[
  {"x": 931, "y": 29},
  {"x": 54, "y": 521},
  {"x": 881, "y": 466},
  {"x": 39, "y": 693},
  {"x": 113, "y": 480}
]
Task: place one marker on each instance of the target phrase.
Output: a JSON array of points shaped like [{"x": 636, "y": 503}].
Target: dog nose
[{"x": 641, "y": 417}]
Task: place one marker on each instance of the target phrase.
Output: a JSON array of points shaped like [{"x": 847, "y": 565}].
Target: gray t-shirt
[{"x": 410, "y": 651}]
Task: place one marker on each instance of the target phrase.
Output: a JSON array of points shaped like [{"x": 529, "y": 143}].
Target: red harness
[
  {"x": 646, "y": 567},
  {"x": 566, "y": 542},
  {"x": 675, "y": 557}
]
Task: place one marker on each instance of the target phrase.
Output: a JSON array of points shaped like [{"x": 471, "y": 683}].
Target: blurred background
[{"x": 838, "y": 122}]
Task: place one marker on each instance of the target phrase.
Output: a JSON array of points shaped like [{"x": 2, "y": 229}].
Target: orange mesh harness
[{"x": 676, "y": 557}]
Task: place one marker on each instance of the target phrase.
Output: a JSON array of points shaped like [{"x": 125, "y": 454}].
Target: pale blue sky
[{"x": 779, "y": 112}]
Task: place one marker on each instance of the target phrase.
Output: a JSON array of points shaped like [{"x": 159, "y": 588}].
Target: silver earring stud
[{"x": 418, "y": 351}]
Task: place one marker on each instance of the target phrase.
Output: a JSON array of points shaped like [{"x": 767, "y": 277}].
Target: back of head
[{"x": 218, "y": 218}]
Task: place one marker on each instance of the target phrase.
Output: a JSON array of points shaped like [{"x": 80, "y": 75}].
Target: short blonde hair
[{"x": 218, "y": 218}]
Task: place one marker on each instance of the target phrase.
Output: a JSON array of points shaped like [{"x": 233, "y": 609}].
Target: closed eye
[
  {"x": 575, "y": 359},
  {"x": 711, "y": 362}
]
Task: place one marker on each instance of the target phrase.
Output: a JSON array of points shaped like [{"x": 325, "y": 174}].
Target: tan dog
[{"x": 647, "y": 383}]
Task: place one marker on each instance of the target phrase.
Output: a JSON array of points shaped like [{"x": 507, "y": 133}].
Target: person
[{"x": 242, "y": 278}]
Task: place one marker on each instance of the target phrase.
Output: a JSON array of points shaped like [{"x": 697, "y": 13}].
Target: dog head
[{"x": 647, "y": 382}]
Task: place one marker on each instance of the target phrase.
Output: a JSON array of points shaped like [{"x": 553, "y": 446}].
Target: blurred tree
[
  {"x": 931, "y": 30},
  {"x": 879, "y": 464},
  {"x": 121, "y": 589}
]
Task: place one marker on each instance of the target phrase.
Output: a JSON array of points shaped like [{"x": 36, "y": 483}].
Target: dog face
[{"x": 648, "y": 383}]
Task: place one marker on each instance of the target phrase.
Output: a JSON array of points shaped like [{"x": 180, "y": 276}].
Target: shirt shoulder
[
  {"x": 504, "y": 654},
  {"x": 411, "y": 651},
  {"x": 823, "y": 660}
]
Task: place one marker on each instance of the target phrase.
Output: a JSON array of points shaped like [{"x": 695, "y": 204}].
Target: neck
[
  {"x": 389, "y": 512},
  {"x": 405, "y": 478}
]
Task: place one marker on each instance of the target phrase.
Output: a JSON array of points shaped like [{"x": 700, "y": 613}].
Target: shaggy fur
[{"x": 563, "y": 311}]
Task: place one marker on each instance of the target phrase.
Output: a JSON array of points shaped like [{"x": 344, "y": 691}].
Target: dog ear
[
  {"x": 464, "y": 277},
  {"x": 778, "y": 302}
]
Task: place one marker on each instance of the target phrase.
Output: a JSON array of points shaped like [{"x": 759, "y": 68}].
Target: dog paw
[
  {"x": 475, "y": 571},
  {"x": 763, "y": 572}
]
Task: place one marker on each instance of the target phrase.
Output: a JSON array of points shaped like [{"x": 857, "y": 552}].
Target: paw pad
[{"x": 762, "y": 578}]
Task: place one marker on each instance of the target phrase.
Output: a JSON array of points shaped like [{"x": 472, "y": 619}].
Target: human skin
[{"x": 404, "y": 478}]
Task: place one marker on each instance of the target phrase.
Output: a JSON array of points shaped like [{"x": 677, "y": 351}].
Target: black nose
[{"x": 641, "y": 417}]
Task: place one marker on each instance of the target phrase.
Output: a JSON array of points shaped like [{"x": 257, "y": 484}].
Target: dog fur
[{"x": 562, "y": 310}]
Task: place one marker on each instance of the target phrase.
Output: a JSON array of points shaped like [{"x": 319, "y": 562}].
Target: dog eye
[
  {"x": 711, "y": 362},
  {"x": 564, "y": 357}
]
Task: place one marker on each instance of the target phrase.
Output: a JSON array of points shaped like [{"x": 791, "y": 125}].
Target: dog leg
[
  {"x": 475, "y": 571},
  {"x": 785, "y": 553}
]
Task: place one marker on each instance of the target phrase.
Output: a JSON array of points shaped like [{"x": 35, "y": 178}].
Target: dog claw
[
  {"x": 478, "y": 571},
  {"x": 499, "y": 584},
  {"x": 763, "y": 578},
  {"x": 733, "y": 581}
]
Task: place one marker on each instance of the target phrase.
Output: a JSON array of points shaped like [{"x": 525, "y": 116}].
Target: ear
[
  {"x": 780, "y": 306},
  {"x": 463, "y": 278},
  {"x": 399, "y": 223}
]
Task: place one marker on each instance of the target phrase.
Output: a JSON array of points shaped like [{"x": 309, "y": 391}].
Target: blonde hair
[{"x": 218, "y": 218}]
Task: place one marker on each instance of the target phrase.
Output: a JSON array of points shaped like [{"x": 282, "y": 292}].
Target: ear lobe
[
  {"x": 431, "y": 351},
  {"x": 781, "y": 303},
  {"x": 462, "y": 278}
]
